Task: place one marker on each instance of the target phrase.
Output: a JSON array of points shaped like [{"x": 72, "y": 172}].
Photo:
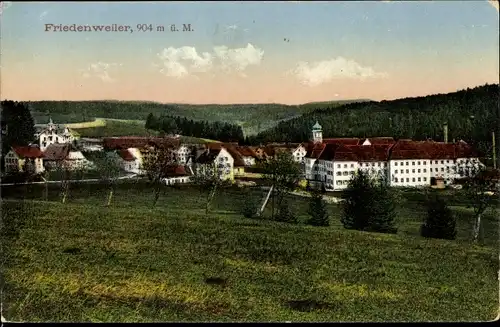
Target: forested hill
[
  {"x": 416, "y": 118},
  {"x": 251, "y": 117}
]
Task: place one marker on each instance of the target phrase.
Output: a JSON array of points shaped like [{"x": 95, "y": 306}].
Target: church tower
[{"x": 317, "y": 133}]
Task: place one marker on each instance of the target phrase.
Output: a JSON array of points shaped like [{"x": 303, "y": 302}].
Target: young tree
[
  {"x": 250, "y": 206},
  {"x": 317, "y": 210},
  {"x": 285, "y": 214},
  {"x": 209, "y": 178},
  {"x": 358, "y": 202},
  {"x": 440, "y": 222},
  {"x": 63, "y": 173},
  {"x": 480, "y": 183},
  {"x": 283, "y": 173},
  {"x": 157, "y": 165},
  {"x": 382, "y": 208},
  {"x": 109, "y": 171}
]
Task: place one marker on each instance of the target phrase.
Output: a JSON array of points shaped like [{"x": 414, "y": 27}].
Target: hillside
[
  {"x": 416, "y": 118},
  {"x": 252, "y": 117}
]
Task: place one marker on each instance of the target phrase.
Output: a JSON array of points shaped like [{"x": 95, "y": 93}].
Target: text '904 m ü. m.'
[{"x": 117, "y": 28}]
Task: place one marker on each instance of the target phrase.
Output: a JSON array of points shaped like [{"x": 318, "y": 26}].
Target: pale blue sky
[{"x": 388, "y": 37}]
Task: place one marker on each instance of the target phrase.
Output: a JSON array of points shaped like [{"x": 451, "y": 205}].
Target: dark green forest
[
  {"x": 251, "y": 117},
  {"x": 220, "y": 131},
  {"x": 472, "y": 115}
]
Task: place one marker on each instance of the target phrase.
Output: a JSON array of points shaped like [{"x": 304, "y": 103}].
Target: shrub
[
  {"x": 317, "y": 210},
  {"x": 285, "y": 214},
  {"x": 250, "y": 207},
  {"x": 440, "y": 222}
]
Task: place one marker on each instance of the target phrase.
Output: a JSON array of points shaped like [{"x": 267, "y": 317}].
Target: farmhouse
[
  {"x": 215, "y": 161},
  {"x": 53, "y": 134},
  {"x": 65, "y": 155},
  {"x": 248, "y": 155},
  {"x": 24, "y": 159},
  {"x": 178, "y": 175},
  {"x": 129, "y": 160}
]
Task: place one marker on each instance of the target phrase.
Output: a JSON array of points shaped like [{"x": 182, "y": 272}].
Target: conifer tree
[
  {"x": 317, "y": 210},
  {"x": 358, "y": 201},
  {"x": 440, "y": 222}
]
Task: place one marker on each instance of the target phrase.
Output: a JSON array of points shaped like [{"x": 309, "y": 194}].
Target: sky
[{"x": 287, "y": 52}]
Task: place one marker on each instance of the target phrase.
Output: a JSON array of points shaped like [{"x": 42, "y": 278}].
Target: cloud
[
  {"x": 320, "y": 72},
  {"x": 100, "y": 70},
  {"x": 494, "y": 3},
  {"x": 186, "y": 61}
]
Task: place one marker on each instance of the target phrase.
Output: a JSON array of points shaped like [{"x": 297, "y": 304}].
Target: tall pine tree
[{"x": 18, "y": 123}]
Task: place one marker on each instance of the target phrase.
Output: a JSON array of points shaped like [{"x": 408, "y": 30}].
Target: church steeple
[{"x": 317, "y": 133}]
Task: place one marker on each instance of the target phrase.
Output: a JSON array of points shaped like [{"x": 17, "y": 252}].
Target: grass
[
  {"x": 132, "y": 263},
  {"x": 123, "y": 127}
]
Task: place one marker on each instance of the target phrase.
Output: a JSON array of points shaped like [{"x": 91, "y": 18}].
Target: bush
[
  {"x": 317, "y": 210},
  {"x": 285, "y": 214},
  {"x": 358, "y": 200},
  {"x": 440, "y": 222},
  {"x": 369, "y": 205},
  {"x": 383, "y": 209},
  {"x": 250, "y": 207}
]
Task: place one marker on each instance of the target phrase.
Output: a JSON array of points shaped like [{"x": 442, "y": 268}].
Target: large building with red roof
[
  {"x": 332, "y": 162},
  {"x": 24, "y": 159}
]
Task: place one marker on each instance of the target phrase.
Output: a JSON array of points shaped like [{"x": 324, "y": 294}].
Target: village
[{"x": 326, "y": 162}]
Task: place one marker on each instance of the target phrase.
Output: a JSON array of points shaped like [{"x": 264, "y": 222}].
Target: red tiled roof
[
  {"x": 381, "y": 140},
  {"x": 314, "y": 150},
  {"x": 343, "y": 141},
  {"x": 126, "y": 155},
  {"x": 176, "y": 171},
  {"x": 27, "y": 152},
  {"x": 378, "y": 152},
  {"x": 57, "y": 151},
  {"x": 246, "y": 151}
]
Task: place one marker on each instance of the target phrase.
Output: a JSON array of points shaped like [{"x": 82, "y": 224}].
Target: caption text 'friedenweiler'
[{"x": 118, "y": 28}]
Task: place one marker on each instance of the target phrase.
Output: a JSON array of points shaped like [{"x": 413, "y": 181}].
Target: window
[
  {"x": 425, "y": 179},
  {"x": 418, "y": 170},
  {"x": 418, "y": 179},
  {"x": 346, "y": 173},
  {"x": 407, "y": 180},
  {"x": 413, "y": 170},
  {"x": 442, "y": 169},
  {"x": 413, "y": 163},
  {"x": 396, "y": 180},
  {"x": 395, "y": 164},
  {"x": 430, "y": 170},
  {"x": 435, "y": 161},
  {"x": 447, "y": 161},
  {"x": 352, "y": 165},
  {"x": 385, "y": 164},
  {"x": 425, "y": 163},
  {"x": 425, "y": 170},
  {"x": 413, "y": 179},
  {"x": 407, "y": 171},
  {"x": 379, "y": 164},
  {"x": 418, "y": 163},
  {"x": 351, "y": 172},
  {"x": 442, "y": 161},
  {"x": 407, "y": 163},
  {"x": 396, "y": 171},
  {"x": 345, "y": 165}
]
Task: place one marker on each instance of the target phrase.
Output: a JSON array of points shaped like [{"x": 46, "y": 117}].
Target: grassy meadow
[{"x": 81, "y": 261}]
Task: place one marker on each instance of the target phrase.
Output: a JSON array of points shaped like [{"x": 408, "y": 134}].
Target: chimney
[{"x": 445, "y": 132}]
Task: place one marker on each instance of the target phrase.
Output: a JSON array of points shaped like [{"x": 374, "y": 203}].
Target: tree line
[
  {"x": 471, "y": 115},
  {"x": 220, "y": 131},
  {"x": 18, "y": 126}
]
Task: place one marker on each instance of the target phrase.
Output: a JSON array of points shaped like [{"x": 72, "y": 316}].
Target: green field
[{"x": 133, "y": 263}]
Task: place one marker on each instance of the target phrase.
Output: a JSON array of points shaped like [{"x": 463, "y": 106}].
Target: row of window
[
  {"x": 419, "y": 179},
  {"x": 423, "y": 170}
]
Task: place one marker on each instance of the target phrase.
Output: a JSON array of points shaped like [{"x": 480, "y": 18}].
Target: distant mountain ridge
[
  {"x": 252, "y": 117},
  {"x": 471, "y": 115}
]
